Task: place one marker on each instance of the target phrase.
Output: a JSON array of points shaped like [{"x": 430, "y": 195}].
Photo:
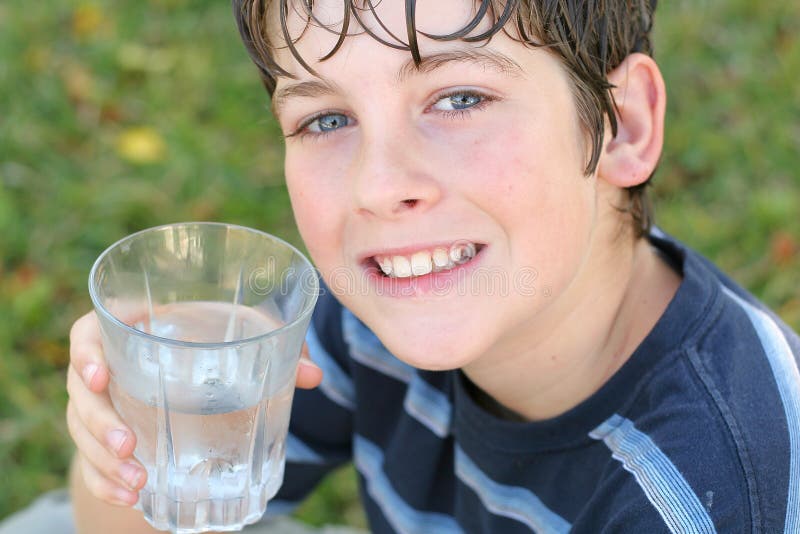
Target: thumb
[
  {"x": 86, "y": 352},
  {"x": 309, "y": 375}
]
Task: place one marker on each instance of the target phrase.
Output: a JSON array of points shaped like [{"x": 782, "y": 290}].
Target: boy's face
[{"x": 385, "y": 164}]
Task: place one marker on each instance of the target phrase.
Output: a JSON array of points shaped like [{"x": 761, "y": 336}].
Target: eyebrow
[
  {"x": 306, "y": 89},
  {"x": 489, "y": 60}
]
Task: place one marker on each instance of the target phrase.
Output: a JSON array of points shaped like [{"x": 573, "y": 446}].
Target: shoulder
[
  {"x": 711, "y": 439},
  {"x": 747, "y": 362},
  {"x": 740, "y": 358}
]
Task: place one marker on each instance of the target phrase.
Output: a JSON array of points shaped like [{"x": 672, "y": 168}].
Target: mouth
[{"x": 438, "y": 259}]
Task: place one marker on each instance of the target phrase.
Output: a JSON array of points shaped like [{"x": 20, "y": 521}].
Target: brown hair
[{"x": 590, "y": 38}]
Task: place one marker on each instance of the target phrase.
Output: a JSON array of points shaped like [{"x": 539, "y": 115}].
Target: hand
[{"x": 105, "y": 444}]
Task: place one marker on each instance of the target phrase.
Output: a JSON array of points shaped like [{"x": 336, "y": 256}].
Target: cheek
[
  {"x": 537, "y": 171},
  {"x": 314, "y": 208},
  {"x": 532, "y": 184},
  {"x": 301, "y": 193}
]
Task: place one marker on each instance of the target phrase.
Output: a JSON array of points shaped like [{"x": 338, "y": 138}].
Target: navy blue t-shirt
[{"x": 698, "y": 432}]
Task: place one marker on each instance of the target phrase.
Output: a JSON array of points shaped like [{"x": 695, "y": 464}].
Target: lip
[{"x": 433, "y": 284}]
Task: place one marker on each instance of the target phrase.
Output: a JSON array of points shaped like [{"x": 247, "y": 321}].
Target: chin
[
  {"x": 438, "y": 335},
  {"x": 430, "y": 354}
]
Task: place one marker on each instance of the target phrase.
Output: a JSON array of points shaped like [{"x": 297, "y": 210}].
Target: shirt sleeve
[{"x": 321, "y": 424}]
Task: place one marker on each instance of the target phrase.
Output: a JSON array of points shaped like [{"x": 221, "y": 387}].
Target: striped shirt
[{"x": 698, "y": 432}]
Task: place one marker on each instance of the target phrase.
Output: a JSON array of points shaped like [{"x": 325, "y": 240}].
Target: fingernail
[
  {"x": 125, "y": 496},
  {"x": 89, "y": 372},
  {"x": 131, "y": 474},
  {"x": 309, "y": 363},
  {"x": 115, "y": 439}
]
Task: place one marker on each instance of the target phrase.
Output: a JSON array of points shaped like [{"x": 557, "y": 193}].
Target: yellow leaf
[
  {"x": 141, "y": 145},
  {"x": 86, "y": 20}
]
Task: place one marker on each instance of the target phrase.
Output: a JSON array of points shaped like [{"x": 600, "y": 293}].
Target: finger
[
  {"x": 86, "y": 352},
  {"x": 103, "y": 488},
  {"x": 309, "y": 375},
  {"x": 97, "y": 414},
  {"x": 126, "y": 473}
]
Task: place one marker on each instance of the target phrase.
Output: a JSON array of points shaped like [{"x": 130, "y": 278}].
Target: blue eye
[
  {"x": 458, "y": 101},
  {"x": 328, "y": 123}
]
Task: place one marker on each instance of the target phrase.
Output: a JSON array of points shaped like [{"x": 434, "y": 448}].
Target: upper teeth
[{"x": 426, "y": 261}]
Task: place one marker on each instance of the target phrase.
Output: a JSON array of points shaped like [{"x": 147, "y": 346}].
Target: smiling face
[{"x": 462, "y": 179}]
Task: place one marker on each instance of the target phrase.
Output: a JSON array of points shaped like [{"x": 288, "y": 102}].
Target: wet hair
[{"x": 589, "y": 37}]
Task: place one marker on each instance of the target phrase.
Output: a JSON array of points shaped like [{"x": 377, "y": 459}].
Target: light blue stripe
[
  {"x": 336, "y": 385},
  {"x": 515, "y": 502},
  {"x": 429, "y": 406},
  {"x": 300, "y": 453},
  {"x": 402, "y": 517},
  {"x": 787, "y": 377},
  {"x": 662, "y": 483},
  {"x": 390, "y": 367},
  {"x": 367, "y": 350}
]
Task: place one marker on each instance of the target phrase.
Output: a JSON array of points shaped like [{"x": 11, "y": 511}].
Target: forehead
[
  {"x": 388, "y": 18},
  {"x": 315, "y": 28}
]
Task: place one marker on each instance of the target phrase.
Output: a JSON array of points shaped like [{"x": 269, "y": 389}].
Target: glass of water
[{"x": 202, "y": 327}]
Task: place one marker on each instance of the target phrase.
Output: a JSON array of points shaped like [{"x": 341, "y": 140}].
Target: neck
[{"x": 569, "y": 350}]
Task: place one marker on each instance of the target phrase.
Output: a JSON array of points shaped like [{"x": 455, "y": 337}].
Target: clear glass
[{"x": 202, "y": 327}]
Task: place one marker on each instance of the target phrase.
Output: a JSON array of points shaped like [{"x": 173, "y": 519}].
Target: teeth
[
  {"x": 386, "y": 266},
  {"x": 469, "y": 251},
  {"x": 423, "y": 262},
  {"x": 401, "y": 267},
  {"x": 440, "y": 257},
  {"x": 462, "y": 253},
  {"x": 455, "y": 253}
]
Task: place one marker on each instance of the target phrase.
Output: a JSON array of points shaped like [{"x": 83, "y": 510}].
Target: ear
[{"x": 630, "y": 158}]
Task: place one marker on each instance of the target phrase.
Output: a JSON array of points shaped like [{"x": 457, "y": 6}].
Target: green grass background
[{"x": 119, "y": 115}]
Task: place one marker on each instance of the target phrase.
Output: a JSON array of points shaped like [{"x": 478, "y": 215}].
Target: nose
[{"x": 391, "y": 179}]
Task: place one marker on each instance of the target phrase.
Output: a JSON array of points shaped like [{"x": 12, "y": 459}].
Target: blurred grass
[{"x": 120, "y": 115}]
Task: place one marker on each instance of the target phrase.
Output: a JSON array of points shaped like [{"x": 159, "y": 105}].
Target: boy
[{"x": 507, "y": 345}]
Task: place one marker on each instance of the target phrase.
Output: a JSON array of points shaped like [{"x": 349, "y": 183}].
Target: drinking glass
[{"x": 202, "y": 326}]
